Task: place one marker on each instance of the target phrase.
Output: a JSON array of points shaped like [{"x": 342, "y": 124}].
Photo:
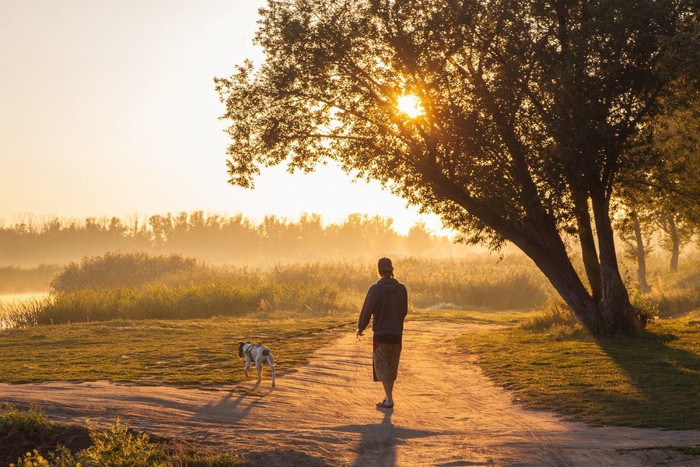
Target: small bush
[
  {"x": 28, "y": 434},
  {"x": 120, "y": 446},
  {"x": 22, "y": 314},
  {"x": 118, "y": 270},
  {"x": 671, "y": 295},
  {"x": 29, "y": 424},
  {"x": 32, "y": 459},
  {"x": 556, "y": 319}
]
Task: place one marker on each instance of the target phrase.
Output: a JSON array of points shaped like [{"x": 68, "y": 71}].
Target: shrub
[
  {"x": 556, "y": 319},
  {"x": 28, "y": 424},
  {"x": 28, "y": 434},
  {"x": 120, "y": 446},
  {"x": 22, "y": 314},
  {"x": 118, "y": 270},
  {"x": 671, "y": 295}
]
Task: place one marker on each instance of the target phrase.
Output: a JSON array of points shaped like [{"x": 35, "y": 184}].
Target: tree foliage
[
  {"x": 527, "y": 106},
  {"x": 663, "y": 186}
]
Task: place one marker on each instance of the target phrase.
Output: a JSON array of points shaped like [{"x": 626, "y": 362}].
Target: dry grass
[{"x": 141, "y": 287}]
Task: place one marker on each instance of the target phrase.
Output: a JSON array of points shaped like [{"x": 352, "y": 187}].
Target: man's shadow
[{"x": 379, "y": 440}]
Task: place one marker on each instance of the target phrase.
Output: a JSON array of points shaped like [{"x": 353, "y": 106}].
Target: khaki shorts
[{"x": 385, "y": 361}]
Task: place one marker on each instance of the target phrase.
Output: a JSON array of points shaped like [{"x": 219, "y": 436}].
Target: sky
[{"x": 108, "y": 108}]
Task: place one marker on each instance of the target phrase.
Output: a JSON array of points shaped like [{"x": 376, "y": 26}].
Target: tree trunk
[
  {"x": 588, "y": 249},
  {"x": 540, "y": 240},
  {"x": 641, "y": 254},
  {"x": 618, "y": 314},
  {"x": 675, "y": 243},
  {"x": 545, "y": 247},
  {"x": 563, "y": 277}
]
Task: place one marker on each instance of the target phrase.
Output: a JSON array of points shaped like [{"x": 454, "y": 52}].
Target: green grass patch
[
  {"x": 193, "y": 353},
  {"x": 649, "y": 381}
]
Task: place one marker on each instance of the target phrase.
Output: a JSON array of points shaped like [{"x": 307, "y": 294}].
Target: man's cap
[{"x": 384, "y": 264}]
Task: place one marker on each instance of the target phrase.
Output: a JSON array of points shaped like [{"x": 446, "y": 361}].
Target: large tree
[{"x": 526, "y": 107}]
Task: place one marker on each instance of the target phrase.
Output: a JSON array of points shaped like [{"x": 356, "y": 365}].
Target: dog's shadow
[{"x": 235, "y": 405}]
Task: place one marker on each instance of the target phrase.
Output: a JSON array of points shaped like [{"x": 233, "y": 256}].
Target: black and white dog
[{"x": 258, "y": 354}]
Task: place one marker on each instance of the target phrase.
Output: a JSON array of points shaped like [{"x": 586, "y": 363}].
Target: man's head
[{"x": 385, "y": 267}]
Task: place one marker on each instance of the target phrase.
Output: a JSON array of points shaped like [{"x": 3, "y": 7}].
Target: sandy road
[{"x": 447, "y": 413}]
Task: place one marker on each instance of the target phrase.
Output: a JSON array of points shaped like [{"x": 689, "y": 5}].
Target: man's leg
[{"x": 388, "y": 389}]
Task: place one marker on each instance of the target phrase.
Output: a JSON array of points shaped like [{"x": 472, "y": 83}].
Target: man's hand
[{"x": 358, "y": 333}]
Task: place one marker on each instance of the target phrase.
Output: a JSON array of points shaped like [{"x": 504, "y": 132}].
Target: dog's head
[{"x": 240, "y": 348}]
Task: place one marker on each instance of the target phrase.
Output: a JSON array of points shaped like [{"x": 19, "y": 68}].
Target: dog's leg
[
  {"x": 247, "y": 365},
  {"x": 271, "y": 362},
  {"x": 258, "y": 368}
]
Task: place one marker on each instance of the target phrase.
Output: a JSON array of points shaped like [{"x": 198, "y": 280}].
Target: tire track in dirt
[{"x": 447, "y": 413}]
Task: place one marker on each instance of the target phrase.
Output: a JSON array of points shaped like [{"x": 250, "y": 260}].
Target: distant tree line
[{"x": 215, "y": 238}]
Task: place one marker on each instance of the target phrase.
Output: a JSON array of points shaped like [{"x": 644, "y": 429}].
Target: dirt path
[{"x": 447, "y": 413}]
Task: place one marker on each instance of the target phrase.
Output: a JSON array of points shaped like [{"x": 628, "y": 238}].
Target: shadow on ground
[
  {"x": 666, "y": 377},
  {"x": 283, "y": 458},
  {"x": 379, "y": 440}
]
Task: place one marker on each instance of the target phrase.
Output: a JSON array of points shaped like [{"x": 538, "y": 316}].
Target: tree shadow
[
  {"x": 379, "y": 440},
  {"x": 666, "y": 377}
]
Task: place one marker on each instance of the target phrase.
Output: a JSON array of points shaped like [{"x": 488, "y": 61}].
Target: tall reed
[{"x": 138, "y": 286}]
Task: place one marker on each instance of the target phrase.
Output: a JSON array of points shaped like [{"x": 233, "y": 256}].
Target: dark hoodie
[{"x": 387, "y": 300}]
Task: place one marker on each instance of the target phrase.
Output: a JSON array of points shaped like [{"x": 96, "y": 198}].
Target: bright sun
[{"x": 410, "y": 105}]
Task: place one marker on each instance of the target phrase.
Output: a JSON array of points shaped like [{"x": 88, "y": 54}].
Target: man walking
[{"x": 387, "y": 301}]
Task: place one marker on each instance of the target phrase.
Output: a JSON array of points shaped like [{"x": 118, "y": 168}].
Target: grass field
[
  {"x": 187, "y": 353},
  {"x": 649, "y": 381},
  {"x": 182, "y": 352}
]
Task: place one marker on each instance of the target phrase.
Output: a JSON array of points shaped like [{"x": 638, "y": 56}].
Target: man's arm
[
  {"x": 367, "y": 310},
  {"x": 405, "y": 300}
]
